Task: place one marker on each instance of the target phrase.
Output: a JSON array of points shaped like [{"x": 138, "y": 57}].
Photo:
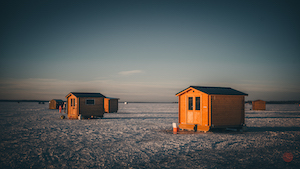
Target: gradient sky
[{"x": 149, "y": 50}]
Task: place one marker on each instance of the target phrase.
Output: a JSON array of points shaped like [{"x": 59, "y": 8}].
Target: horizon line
[{"x": 248, "y": 101}]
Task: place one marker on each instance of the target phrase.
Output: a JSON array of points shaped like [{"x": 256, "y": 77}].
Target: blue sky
[{"x": 149, "y": 50}]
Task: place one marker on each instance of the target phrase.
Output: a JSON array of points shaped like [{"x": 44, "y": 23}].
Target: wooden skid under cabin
[
  {"x": 205, "y": 108},
  {"x": 85, "y": 104}
]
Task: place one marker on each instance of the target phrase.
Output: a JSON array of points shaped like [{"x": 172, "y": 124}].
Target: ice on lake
[{"x": 33, "y": 136}]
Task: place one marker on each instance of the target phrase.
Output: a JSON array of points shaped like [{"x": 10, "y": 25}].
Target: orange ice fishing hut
[
  {"x": 258, "y": 105},
  {"x": 55, "y": 103},
  {"x": 111, "y": 105},
  {"x": 85, "y": 104},
  {"x": 205, "y": 108}
]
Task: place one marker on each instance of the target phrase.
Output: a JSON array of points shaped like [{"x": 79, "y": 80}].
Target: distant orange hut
[
  {"x": 55, "y": 103},
  {"x": 258, "y": 105},
  {"x": 85, "y": 104},
  {"x": 111, "y": 105},
  {"x": 204, "y": 108}
]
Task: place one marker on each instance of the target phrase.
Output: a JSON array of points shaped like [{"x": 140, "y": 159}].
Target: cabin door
[
  {"x": 73, "y": 107},
  {"x": 194, "y": 111}
]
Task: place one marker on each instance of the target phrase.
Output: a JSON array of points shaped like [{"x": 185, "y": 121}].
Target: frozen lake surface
[{"x": 32, "y": 136}]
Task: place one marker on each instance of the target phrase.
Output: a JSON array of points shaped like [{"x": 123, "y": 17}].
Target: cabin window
[
  {"x": 190, "y": 103},
  {"x": 197, "y": 103},
  {"x": 72, "y": 102},
  {"x": 90, "y": 101}
]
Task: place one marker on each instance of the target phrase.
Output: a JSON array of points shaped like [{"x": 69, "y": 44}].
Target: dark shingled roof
[
  {"x": 217, "y": 90},
  {"x": 112, "y": 98},
  {"x": 79, "y": 94},
  {"x": 58, "y": 100}
]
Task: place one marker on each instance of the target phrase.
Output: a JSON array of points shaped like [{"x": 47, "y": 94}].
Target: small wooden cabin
[
  {"x": 258, "y": 105},
  {"x": 204, "y": 108},
  {"x": 85, "y": 104},
  {"x": 111, "y": 105},
  {"x": 55, "y": 103}
]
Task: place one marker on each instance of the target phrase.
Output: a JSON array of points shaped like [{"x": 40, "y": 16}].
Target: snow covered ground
[{"x": 32, "y": 136}]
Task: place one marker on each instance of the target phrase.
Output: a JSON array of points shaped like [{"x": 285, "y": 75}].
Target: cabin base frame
[{"x": 195, "y": 127}]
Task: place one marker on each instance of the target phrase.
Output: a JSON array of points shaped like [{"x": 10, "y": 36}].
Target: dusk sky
[{"x": 149, "y": 50}]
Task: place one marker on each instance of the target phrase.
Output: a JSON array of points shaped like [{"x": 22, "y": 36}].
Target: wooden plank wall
[
  {"x": 259, "y": 105},
  {"x": 199, "y": 117},
  {"x": 113, "y": 105},
  {"x": 110, "y": 105},
  {"x": 205, "y": 109},
  {"x": 227, "y": 110},
  {"x": 92, "y": 110},
  {"x": 106, "y": 105},
  {"x": 52, "y": 104},
  {"x": 182, "y": 109},
  {"x": 72, "y": 110}
]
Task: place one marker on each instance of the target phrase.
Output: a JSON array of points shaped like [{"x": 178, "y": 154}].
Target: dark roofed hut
[
  {"x": 85, "y": 104},
  {"x": 111, "y": 105},
  {"x": 204, "y": 108},
  {"x": 55, "y": 103}
]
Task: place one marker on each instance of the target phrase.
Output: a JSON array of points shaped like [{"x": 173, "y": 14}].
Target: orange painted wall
[
  {"x": 199, "y": 117},
  {"x": 258, "y": 105},
  {"x": 73, "y": 111}
]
